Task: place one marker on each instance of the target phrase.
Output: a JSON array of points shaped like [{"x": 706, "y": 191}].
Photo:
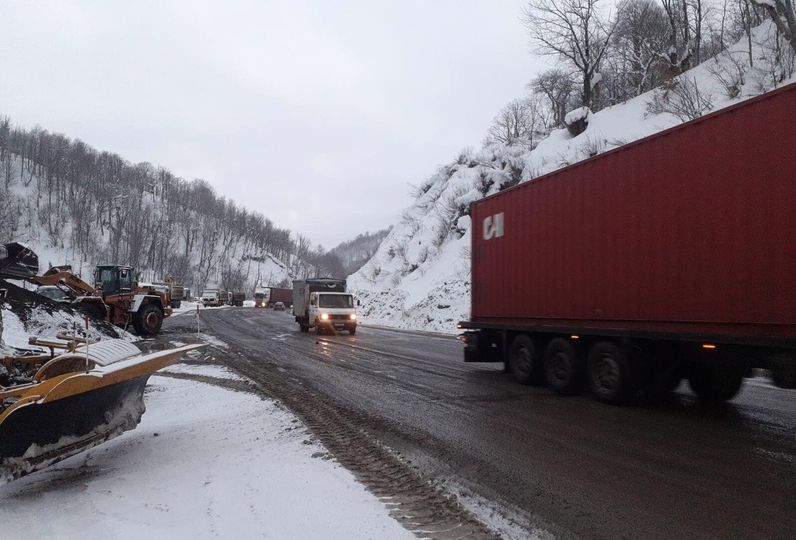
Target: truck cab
[
  {"x": 261, "y": 296},
  {"x": 211, "y": 297},
  {"x": 333, "y": 310}
]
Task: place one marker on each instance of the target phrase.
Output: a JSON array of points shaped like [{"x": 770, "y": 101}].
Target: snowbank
[{"x": 195, "y": 469}]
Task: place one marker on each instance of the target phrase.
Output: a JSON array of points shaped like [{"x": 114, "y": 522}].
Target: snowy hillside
[
  {"x": 355, "y": 253},
  {"x": 420, "y": 276},
  {"x": 195, "y": 246}
]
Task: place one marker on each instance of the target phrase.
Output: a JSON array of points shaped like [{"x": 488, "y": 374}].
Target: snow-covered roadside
[
  {"x": 204, "y": 462},
  {"x": 46, "y": 325}
]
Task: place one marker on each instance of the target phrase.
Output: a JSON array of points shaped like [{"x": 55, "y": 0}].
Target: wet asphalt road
[{"x": 569, "y": 466}]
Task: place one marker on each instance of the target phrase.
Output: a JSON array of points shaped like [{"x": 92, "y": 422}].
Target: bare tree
[
  {"x": 686, "y": 20},
  {"x": 639, "y": 41},
  {"x": 556, "y": 85},
  {"x": 519, "y": 122},
  {"x": 574, "y": 30},
  {"x": 682, "y": 98}
]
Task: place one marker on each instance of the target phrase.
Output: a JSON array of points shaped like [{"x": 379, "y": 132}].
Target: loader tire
[{"x": 148, "y": 320}]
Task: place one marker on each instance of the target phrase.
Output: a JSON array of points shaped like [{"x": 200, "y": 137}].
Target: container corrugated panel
[
  {"x": 281, "y": 295},
  {"x": 690, "y": 230}
]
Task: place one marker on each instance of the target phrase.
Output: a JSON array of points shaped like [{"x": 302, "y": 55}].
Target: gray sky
[{"x": 317, "y": 113}]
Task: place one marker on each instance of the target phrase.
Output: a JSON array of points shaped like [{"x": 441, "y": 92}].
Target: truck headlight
[
  {"x": 324, "y": 316},
  {"x": 353, "y": 316}
]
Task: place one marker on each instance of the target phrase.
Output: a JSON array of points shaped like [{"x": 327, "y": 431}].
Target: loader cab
[{"x": 114, "y": 279}]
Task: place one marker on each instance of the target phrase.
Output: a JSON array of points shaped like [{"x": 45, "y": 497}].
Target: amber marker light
[
  {"x": 574, "y": 337},
  {"x": 709, "y": 346}
]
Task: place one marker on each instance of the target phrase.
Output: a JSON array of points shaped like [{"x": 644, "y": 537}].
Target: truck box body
[{"x": 689, "y": 232}]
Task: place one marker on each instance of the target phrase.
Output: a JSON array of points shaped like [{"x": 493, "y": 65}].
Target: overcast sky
[{"x": 317, "y": 113}]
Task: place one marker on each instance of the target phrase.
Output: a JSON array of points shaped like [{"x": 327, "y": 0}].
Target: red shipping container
[{"x": 690, "y": 231}]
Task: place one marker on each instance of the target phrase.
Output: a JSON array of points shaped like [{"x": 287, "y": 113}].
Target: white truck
[
  {"x": 261, "y": 296},
  {"x": 211, "y": 297},
  {"x": 324, "y": 304}
]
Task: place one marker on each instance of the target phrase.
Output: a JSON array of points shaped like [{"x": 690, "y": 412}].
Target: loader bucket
[{"x": 17, "y": 261}]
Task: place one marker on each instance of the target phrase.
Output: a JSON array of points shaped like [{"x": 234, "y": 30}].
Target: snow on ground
[
  {"x": 190, "y": 307},
  {"x": 217, "y": 372},
  {"x": 213, "y": 340},
  {"x": 204, "y": 462}
]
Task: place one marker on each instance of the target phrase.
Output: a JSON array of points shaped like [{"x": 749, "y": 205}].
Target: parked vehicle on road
[
  {"x": 323, "y": 304},
  {"x": 668, "y": 258},
  {"x": 211, "y": 297},
  {"x": 279, "y": 306}
]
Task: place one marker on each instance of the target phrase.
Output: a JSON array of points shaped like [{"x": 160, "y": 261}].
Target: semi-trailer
[{"x": 670, "y": 258}]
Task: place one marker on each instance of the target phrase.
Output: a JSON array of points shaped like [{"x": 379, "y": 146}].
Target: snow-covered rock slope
[{"x": 420, "y": 276}]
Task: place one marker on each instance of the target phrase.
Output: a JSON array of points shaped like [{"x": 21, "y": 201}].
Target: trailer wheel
[
  {"x": 148, "y": 320},
  {"x": 715, "y": 383},
  {"x": 784, "y": 379},
  {"x": 352, "y": 330},
  {"x": 611, "y": 374},
  {"x": 304, "y": 327},
  {"x": 563, "y": 367},
  {"x": 523, "y": 360}
]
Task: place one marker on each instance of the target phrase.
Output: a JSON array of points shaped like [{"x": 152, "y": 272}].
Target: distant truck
[
  {"x": 236, "y": 298},
  {"x": 261, "y": 296},
  {"x": 211, "y": 298},
  {"x": 279, "y": 294},
  {"x": 323, "y": 304},
  {"x": 666, "y": 259}
]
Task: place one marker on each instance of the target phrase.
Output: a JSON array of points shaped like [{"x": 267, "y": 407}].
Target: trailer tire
[
  {"x": 524, "y": 362},
  {"x": 304, "y": 328},
  {"x": 784, "y": 379},
  {"x": 714, "y": 383},
  {"x": 611, "y": 373},
  {"x": 563, "y": 367},
  {"x": 148, "y": 320},
  {"x": 352, "y": 330},
  {"x": 783, "y": 371}
]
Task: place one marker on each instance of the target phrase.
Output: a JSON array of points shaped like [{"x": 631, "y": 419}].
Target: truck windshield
[{"x": 335, "y": 301}]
